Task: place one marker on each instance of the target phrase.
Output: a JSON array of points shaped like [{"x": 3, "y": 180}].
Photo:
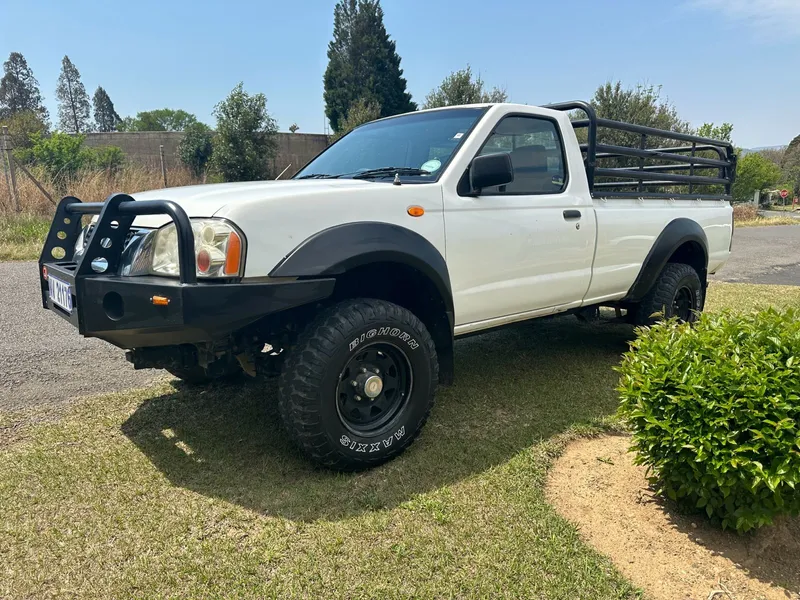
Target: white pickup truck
[{"x": 352, "y": 279}]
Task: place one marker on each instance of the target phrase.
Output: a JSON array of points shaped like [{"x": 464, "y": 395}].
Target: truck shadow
[{"x": 513, "y": 388}]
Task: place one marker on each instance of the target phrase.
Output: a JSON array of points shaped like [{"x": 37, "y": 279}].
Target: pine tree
[
  {"x": 73, "y": 101},
  {"x": 105, "y": 117},
  {"x": 363, "y": 63},
  {"x": 19, "y": 90}
]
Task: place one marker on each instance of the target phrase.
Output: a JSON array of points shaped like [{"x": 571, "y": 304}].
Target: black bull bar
[{"x": 121, "y": 309}]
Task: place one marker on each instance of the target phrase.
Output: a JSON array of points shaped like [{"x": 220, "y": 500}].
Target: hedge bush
[
  {"x": 714, "y": 409},
  {"x": 62, "y": 156}
]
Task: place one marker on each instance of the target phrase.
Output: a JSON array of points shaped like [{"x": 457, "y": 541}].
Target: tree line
[
  {"x": 241, "y": 145},
  {"x": 363, "y": 81}
]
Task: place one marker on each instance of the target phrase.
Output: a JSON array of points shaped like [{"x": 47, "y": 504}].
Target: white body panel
[
  {"x": 510, "y": 257},
  {"x": 627, "y": 230},
  {"x": 277, "y": 216}
]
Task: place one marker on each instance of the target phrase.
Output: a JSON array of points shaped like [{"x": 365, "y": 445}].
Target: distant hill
[{"x": 746, "y": 151}]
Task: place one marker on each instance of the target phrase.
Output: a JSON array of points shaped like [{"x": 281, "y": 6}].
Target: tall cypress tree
[
  {"x": 363, "y": 64},
  {"x": 73, "y": 101},
  {"x": 105, "y": 117},
  {"x": 19, "y": 90}
]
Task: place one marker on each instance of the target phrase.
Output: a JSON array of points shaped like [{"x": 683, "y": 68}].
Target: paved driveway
[
  {"x": 764, "y": 255},
  {"x": 43, "y": 360}
]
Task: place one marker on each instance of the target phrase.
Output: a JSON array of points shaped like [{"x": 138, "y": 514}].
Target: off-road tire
[
  {"x": 309, "y": 398},
  {"x": 659, "y": 302}
]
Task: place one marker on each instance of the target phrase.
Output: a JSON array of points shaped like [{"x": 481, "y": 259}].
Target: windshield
[{"x": 417, "y": 146}]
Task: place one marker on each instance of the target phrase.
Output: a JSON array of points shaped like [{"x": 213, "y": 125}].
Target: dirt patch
[{"x": 596, "y": 486}]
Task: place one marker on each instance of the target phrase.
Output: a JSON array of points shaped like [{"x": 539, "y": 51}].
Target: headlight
[
  {"x": 218, "y": 251},
  {"x": 79, "y": 244}
]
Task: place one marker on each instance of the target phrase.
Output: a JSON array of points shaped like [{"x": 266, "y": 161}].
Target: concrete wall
[
  {"x": 143, "y": 148},
  {"x": 296, "y": 149}
]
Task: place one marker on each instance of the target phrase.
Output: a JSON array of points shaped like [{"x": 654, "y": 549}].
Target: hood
[{"x": 208, "y": 200}]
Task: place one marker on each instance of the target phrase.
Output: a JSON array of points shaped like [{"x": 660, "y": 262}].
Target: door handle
[{"x": 572, "y": 214}]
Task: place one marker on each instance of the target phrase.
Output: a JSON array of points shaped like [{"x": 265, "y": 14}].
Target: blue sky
[{"x": 719, "y": 60}]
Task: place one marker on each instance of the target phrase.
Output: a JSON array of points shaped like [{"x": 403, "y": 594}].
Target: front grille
[
  {"x": 88, "y": 234},
  {"x": 131, "y": 232}
]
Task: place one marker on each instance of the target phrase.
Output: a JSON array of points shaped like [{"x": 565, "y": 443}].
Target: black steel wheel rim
[
  {"x": 683, "y": 304},
  {"x": 382, "y": 366}
]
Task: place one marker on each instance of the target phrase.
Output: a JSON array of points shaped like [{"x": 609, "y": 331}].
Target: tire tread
[
  {"x": 303, "y": 372},
  {"x": 661, "y": 294}
]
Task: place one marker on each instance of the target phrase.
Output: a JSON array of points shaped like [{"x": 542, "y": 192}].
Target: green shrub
[
  {"x": 715, "y": 413},
  {"x": 245, "y": 139},
  {"x": 61, "y": 155},
  {"x": 196, "y": 148},
  {"x": 109, "y": 158}
]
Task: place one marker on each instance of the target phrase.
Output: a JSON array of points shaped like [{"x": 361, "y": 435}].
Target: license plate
[{"x": 60, "y": 293}]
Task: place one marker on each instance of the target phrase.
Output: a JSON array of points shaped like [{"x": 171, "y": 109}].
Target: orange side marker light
[
  {"x": 415, "y": 211},
  {"x": 234, "y": 255},
  {"x": 160, "y": 301}
]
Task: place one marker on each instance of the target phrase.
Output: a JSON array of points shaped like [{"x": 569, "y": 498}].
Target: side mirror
[{"x": 490, "y": 170}]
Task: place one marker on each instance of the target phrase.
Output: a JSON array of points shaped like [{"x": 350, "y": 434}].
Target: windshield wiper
[
  {"x": 389, "y": 171},
  {"x": 318, "y": 176}
]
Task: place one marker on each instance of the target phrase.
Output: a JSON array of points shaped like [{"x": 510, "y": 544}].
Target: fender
[
  {"x": 338, "y": 249},
  {"x": 677, "y": 233}
]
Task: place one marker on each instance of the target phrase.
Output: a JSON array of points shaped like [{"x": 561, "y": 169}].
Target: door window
[{"x": 537, "y": 155}]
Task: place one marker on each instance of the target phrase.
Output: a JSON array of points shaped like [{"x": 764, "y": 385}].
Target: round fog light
[{"x": 114, "y": 306}]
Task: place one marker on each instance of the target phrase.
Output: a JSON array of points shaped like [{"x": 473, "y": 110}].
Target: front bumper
[{"x": 121, "y": 310}]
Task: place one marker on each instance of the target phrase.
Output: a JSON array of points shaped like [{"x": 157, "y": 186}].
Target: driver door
[{"x": 523, "y": 248}]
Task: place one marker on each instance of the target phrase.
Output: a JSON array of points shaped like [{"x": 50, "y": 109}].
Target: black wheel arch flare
[
  {"x": 342, "y": 248},
  {"x": 678, "y": 233}
]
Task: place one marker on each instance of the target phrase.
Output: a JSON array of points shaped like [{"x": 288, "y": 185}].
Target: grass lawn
[
  {"x": 176, "y": 492},
  {"x": 765, "y": 221},
  {"x": 22, "y": 236}
]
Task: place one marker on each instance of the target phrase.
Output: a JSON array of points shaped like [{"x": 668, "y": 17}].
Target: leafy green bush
[
  {"x": 715, "y": 413},
  {"x": 245, "y": 140},
  {"x": 22, "y": 125},
  {"x": 196, "y": 148},
  {"x": 62, "y": 155},
  {"x": 109, "y": 158}
]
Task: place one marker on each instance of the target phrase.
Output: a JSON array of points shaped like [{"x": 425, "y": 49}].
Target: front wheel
[
  {"x": 359, "y": 384},
  {"x": 678, "y": 292}
]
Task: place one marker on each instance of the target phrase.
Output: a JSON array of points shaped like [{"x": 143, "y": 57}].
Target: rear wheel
[
  {"x": 359, "y": 384},
  {"x": 678, "y": 292}
]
